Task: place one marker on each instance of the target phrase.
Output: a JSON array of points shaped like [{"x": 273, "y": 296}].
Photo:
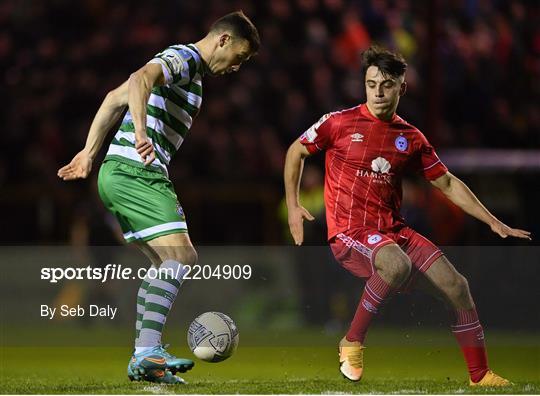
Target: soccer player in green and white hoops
[{"x": 163, "y": 98}]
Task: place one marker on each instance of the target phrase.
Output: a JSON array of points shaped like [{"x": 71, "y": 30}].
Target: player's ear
[
  {"x": 224, "y": 38},
  {"x": 403, "y": 88}
]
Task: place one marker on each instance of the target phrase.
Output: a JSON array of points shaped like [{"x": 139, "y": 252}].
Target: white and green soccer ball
[{"x": 213, "y": 337}]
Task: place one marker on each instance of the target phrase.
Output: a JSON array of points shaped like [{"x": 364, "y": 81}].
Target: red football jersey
[{"x": 365, "y": 161}]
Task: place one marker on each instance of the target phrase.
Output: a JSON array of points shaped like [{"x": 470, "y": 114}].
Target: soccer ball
[{"x": 213, "y": 337}]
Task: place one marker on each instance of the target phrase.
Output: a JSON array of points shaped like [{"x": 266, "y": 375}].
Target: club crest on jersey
[
  {"x": 375, "y": 238},
  {"x": 401, "y": 143},
  {"x": 179, "y": 210},
  {"x": 380, "y": 165},
  {"x": 357, "y": 137}
]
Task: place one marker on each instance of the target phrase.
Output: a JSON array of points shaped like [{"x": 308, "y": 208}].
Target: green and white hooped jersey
[{"x": 170, "y": 110}]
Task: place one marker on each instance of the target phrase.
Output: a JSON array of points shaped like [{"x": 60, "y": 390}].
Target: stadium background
[{"x": 473, "y": 89}]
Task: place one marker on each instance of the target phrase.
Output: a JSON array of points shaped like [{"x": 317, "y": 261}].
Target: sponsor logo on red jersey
[{"x": 381, "y": 165}]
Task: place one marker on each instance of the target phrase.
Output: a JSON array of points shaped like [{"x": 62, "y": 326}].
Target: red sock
[
  {"x": 470, "y": 336},
  {"x": 375, "y": 293}
]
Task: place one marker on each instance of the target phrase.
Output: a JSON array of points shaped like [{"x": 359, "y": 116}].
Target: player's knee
[
  {"x": 186, "y": 255},
  {"x": 458, "y": 289},
  {"x": 402, "y": 268},
  {"x": 393, "y": 265}
]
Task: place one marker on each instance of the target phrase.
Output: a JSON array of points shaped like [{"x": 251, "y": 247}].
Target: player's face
[
  {"x": 229, "y": 55},
  {"x": 383, "y": 92}
]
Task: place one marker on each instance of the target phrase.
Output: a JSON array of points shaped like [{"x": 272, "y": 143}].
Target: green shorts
[{"x": 143, "y": 201}]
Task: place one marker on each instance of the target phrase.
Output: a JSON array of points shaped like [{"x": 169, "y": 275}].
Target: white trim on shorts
[{"x": 175, "y": 225}]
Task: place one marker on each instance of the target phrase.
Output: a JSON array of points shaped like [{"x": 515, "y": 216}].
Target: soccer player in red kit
[{"x": 368, "y": 149}]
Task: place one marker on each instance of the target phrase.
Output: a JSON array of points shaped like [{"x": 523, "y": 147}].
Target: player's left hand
[
  {"x": 144, "y": 147},
  {"x": 79, "y": 167},
  {"x": 504, "y": 231}
]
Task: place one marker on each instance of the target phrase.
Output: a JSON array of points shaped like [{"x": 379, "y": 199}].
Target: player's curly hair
[
  {"x": 389, "y": 63},
  {"x": 240, "y": 26}
]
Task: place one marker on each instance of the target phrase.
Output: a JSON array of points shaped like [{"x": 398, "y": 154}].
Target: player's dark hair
[
  {"x": 240, "y": 26},
  {"x": 389, "y": 63}
]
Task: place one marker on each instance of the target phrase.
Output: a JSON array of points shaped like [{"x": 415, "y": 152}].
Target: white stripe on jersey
[
  {"x": 164, "y": 153},
  {"x": 190, "y": 97},
  {"x": 130, "y": 137},
  {"x": 172, "y": 108},
  {"x": 197, "y": 79},
  {"x": 163, "y": 129},
  {"x": 132, "y": 154},
  {"x": 167, "y": 73}
]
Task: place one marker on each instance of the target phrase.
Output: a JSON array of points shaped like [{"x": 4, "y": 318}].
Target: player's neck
[
  {"x": 386, "y": 117},
  {"x": 206, "y": 47}
]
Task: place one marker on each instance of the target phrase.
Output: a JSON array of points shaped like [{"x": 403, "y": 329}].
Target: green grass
[{"x": 397, "y": 361}]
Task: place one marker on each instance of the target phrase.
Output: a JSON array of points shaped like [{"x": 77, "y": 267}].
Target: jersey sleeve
[
  {"x": 175, "y": 63},
  {"x": 428, "y": 162},
  {"x": 319, "y": 136}
]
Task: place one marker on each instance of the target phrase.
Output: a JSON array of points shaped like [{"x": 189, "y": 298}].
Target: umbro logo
[
  {"x": 357, "y": 137},
  {"x": 369, "y": 306}
]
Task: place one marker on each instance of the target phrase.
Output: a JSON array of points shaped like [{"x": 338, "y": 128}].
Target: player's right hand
[
  {"x": 296, "y": 223},
  {"x": 79, "y": 167},
  {"x": 504, "y": 231},
  {"x": 144, "y": 147}
]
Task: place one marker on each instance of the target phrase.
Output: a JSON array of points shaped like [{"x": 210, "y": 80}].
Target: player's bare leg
[
  {"x": 393, "y": 267},
  {"x": 155, "y": 298},
  {"x": 176, "y": 246},
  {"x": 148, "y": 252},
  {"x": 444, "y": 282}
]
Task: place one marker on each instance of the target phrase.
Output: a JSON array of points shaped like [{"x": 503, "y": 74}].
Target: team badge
[
  {"x": 375, "y": 238},
  {"x": 401, "y": 143},
  {"x": 179, "y": 210}
]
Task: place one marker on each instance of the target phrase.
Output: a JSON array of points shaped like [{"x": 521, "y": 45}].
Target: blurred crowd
[{"x": 473, "y": 77}]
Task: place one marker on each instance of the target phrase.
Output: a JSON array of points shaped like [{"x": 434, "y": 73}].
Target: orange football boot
[
  {"x": 351, "y": 359},
  {"x": 491, "y": 379}
]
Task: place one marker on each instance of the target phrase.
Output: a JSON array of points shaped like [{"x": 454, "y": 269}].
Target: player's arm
[
  {"x": 462, "y": 196},
  {"x": 106, "y": 117},
  {"x": 140, "y": 86},
  {"x": 294, "y": 164}
]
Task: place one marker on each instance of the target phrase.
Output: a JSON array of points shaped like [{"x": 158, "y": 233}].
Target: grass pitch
[{"x": 397, "y": 361}]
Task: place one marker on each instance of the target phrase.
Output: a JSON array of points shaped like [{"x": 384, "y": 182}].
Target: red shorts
[{"x": 356, "y": 249}]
